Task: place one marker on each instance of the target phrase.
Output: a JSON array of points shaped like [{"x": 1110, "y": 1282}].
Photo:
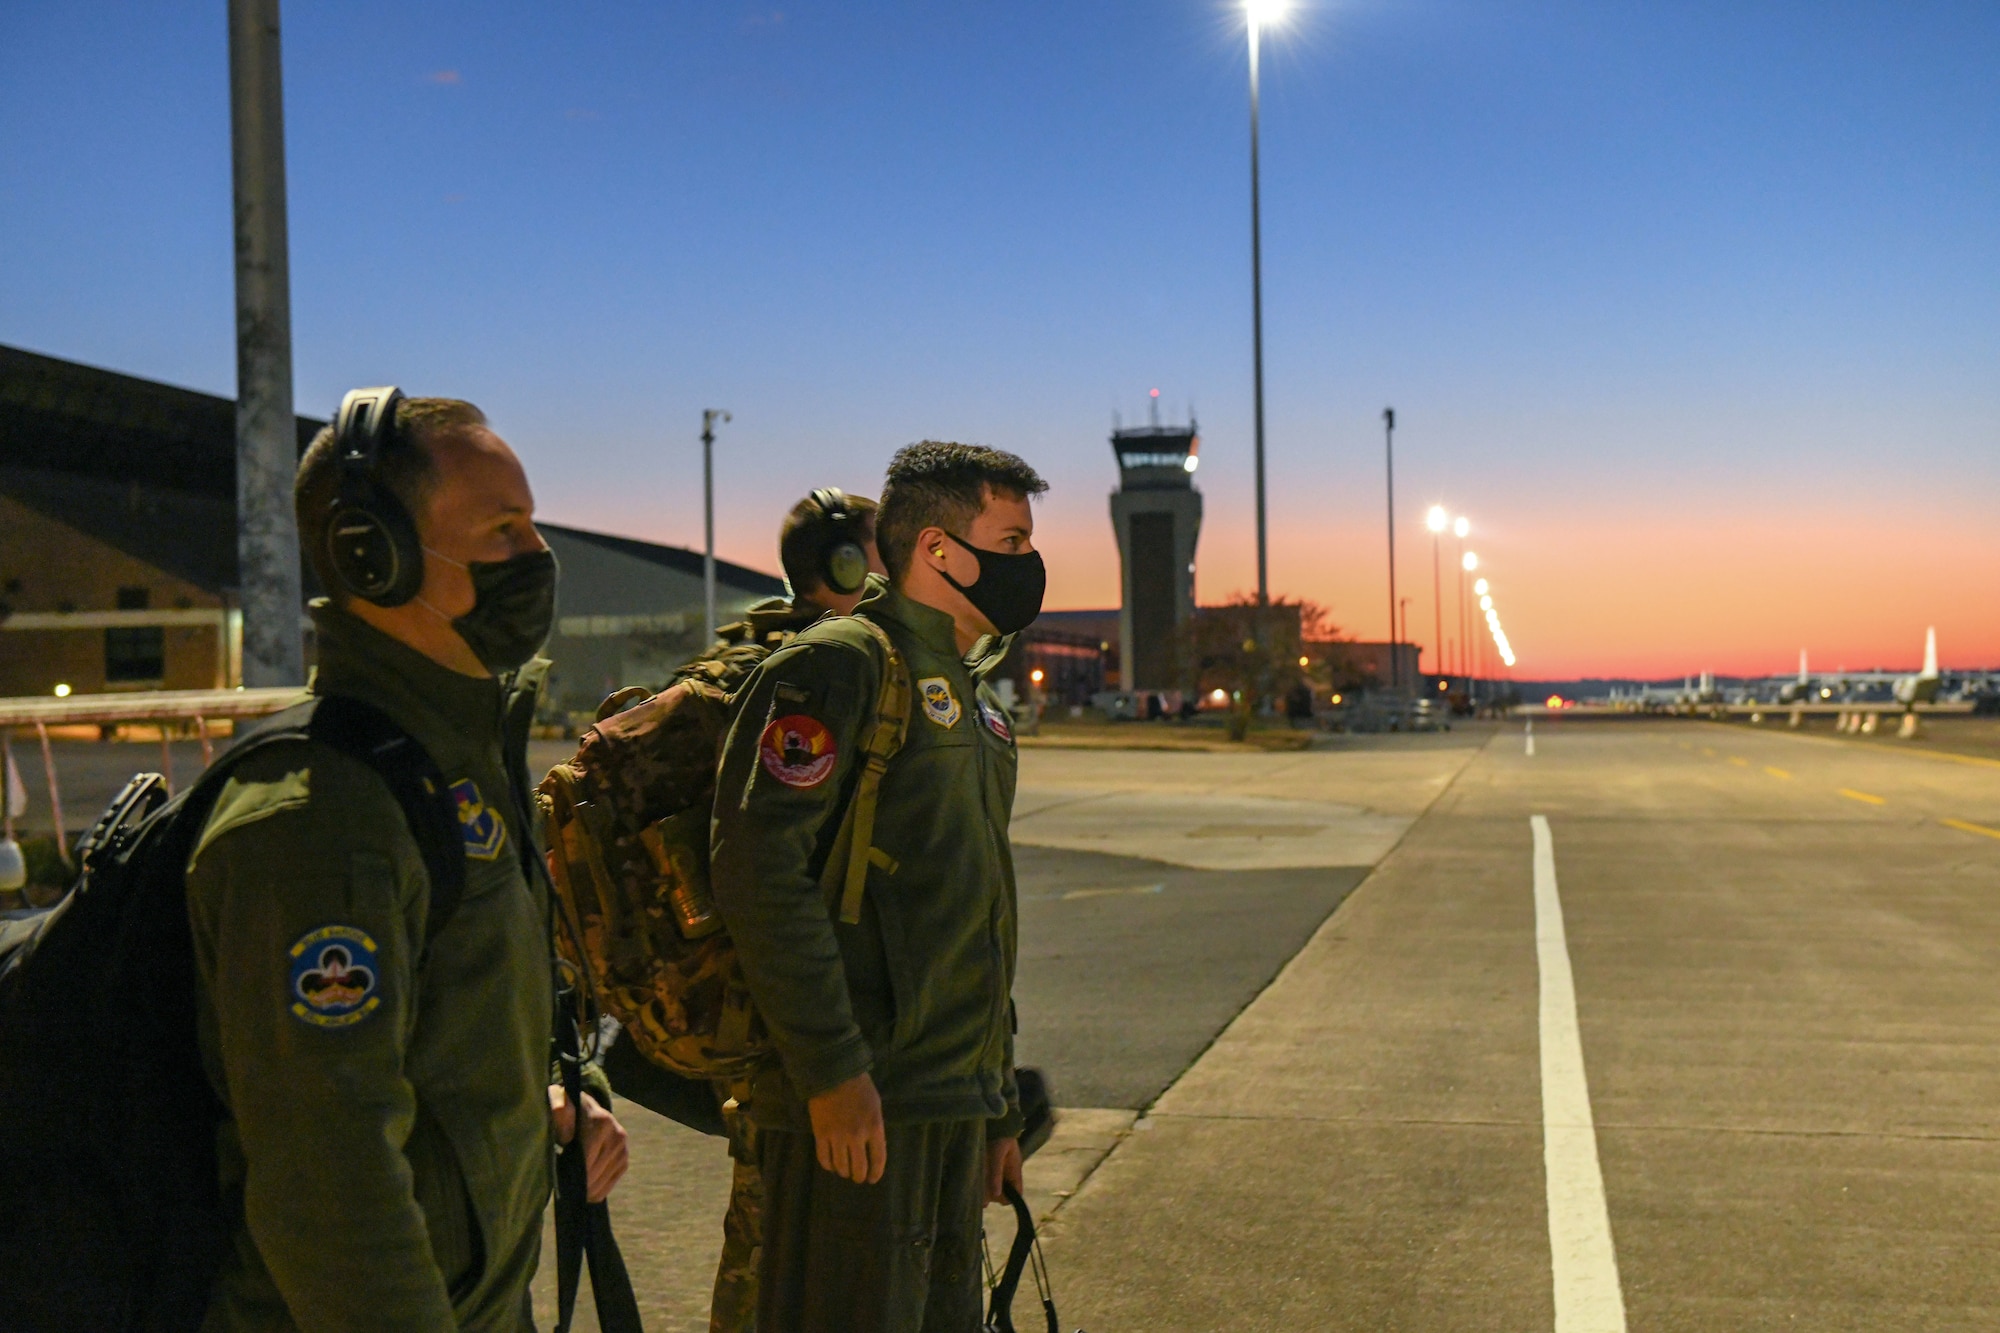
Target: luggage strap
[{"x": 852, "y": 853}]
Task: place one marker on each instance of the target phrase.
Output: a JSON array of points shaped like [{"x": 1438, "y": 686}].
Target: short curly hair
[{"x": 938, "y": 484}]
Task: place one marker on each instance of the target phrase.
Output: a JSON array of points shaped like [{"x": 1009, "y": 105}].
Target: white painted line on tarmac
[
  {"x": 1531, "y": 738},
  {"x": 1584, "y": 1263}
]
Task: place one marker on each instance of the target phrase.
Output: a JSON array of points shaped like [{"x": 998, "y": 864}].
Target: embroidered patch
[
  {"x": 485, "y": 833},
  {"x": 940, "y": 704},
  {"x": 798, "y": 751},
  {"x": 995, "y": 720},
  {"x": 335, "y": 981}
]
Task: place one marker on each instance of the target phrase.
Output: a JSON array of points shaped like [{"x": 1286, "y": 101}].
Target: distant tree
[{"x": 1255, "y": 653}]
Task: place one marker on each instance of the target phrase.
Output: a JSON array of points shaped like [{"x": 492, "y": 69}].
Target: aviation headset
[
  {"x": 842, "y": 562},
  {"x": 371, "y": 540}
]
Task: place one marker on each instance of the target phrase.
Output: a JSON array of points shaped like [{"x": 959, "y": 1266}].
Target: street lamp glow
[
  {"x": 1461, "y": 528},
  {"x": 1265, "y": 13},
  {"x": 1437, "y": 520},
  {"x": 1482, "y": 588},
  {"x": 1471, "y": 558},
  {"x": 1485, "y": 602}
]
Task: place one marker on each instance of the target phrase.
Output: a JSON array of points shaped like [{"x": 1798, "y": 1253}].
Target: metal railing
[{"x": 195, "y": 707}]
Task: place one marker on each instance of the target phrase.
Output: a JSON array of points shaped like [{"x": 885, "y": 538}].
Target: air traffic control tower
[{"x": 1157, "y": 513}]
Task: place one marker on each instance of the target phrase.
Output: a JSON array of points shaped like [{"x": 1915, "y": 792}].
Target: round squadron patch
[
  {"x": 940, "y": 704},
  {"x": 335, "y": 980},
  {"x": 995, "y": 720},
  {"x": 798, "y": 751}
]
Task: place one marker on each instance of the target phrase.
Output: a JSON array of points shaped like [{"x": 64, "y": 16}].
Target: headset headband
[
  {"x": 832, "y": 502},
  {"x": 366, "y": 422}
]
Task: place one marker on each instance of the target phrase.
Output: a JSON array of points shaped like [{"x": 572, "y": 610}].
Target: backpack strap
[
  {"x": 852, "y": 849},
  {"x": 364, "y": 732}
]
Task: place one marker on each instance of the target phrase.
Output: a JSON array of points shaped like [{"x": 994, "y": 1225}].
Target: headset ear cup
[
  {"x": 846, "y": 567},
  {"x": 373, "y": 547}
]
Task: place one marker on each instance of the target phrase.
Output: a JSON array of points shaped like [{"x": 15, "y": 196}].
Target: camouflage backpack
[{"x": 628, "y": 828}]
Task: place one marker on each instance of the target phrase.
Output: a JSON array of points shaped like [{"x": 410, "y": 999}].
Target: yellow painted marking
[
  {"x": 1964, "y": 827},
  {"x": 1854, "y": 795},
  {"x": 1710, "y": 753},
  {"x": 1740, "y": 763},
  {"x": 1951, "y": 758},
  {"x": 1777, "y": 772}
]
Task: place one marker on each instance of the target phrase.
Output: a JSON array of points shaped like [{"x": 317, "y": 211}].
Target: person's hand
[
  {"x": 605, "y": 1153},
  {"x": 847, "y": 1130},
  {"x": 1003, "y": 1167}
]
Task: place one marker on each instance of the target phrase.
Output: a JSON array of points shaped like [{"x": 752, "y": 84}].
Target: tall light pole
[
  {"x": 1466, "y": 564},
  {"x": 267, "y": 432},
  {"x": 1389, "y": 449},
  {"x": 708, "y": 420},
  {"x": 1437, "y": 521},
  {"x": 1459, "y": 528},
  {"x": 1260, "y": 13}
]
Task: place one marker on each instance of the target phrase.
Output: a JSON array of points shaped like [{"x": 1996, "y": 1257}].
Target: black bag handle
[{"x": 1025, "y": 1249}]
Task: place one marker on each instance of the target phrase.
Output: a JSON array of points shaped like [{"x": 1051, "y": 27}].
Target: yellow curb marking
[
  {"x": 1964, "y": 827},
  {"x": 1740, "y": 763},
  {"x": 1777, "y": 772},
  {"x": 1854, "y": 795}
]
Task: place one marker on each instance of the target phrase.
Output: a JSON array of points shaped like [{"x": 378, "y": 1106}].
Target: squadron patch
[
  {"x": 485, "y": 833},
  {"x": 798, "y": 751},
  {"x": 940, "y": 704},
  {"x": 335, "y": 980},
  {"x": 995, "y": 720}
]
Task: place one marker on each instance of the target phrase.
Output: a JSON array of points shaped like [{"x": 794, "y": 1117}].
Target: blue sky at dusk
[{"x": 1695, "y": 308}]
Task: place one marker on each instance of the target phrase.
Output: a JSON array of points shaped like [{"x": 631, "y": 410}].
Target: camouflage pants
[{"x": 733, "y": 1308}]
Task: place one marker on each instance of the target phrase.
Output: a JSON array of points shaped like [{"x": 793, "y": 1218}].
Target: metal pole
[
  {"x": 267, "y": 440},
  {"x": 1389, "y": 447},
  {"x": 708, "y": 419},
  {"x": 1464, "y": 657},
  {"x": 1257, "y": 326},
  {"x": 55, "y": 791},
  {"x": 1437, "y": 601}
]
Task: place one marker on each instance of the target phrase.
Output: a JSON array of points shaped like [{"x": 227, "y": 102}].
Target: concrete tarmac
[
  {"x": 1146, "y": 926},
  {"x": 1784, "y": 951}
]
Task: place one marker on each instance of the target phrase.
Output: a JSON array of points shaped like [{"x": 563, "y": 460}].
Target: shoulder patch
[
  {"x": 335, "y": 979},
  {"x": 798, "y": 751},
  {"x": 995, "y": 720},
  {"x": 485, "y": 833},
  {"x": 940, "y": 704}
]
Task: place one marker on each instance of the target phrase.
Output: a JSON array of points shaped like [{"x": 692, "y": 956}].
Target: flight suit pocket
[{"x": 906, "y": 996}]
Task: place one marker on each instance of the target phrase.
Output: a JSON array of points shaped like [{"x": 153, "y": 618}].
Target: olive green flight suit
[
  {"x": 387, "y": 1147},
  {"x": 732, "y": 1307},
  {"x": 916, "y": 994}
]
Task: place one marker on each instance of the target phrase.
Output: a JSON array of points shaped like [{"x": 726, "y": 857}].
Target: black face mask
[
  {"x": 1010, "y": 587},
  {"x": 513, "y": 608}
]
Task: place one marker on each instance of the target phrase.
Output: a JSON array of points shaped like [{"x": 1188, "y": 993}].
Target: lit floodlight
[
  {"x": 62, "y": 691},
  {"x": 1485, "y": 603},
  {"x": 1220, "y": 696},
  {"x": 1471, "y": 559},
  {"x": 1462, "y": 527},
  {"x": 1437, "y": 520},
  {"x": 1482, "y": 587},
  {"x": 1192, "y": 463},
  {"x": 1265, "y": 13}
]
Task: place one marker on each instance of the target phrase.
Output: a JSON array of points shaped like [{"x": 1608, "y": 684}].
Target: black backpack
[{"x": 110, "y": 1216}]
